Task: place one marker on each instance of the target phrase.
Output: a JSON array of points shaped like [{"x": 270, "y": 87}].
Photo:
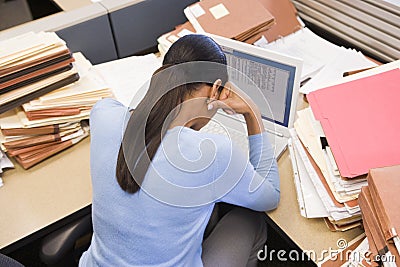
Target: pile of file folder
[
  {"x": 230, "y": 18},
  {"x": 381, "y": 213},
  {"x": 348, "y": 129},
  {"x": 249, "y": 22},
  {"x": 32, "y": 65},
  {"x": 54, "y": 117}
]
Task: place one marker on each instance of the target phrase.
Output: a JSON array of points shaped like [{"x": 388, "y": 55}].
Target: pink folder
[{"x": 361, "y": 121}]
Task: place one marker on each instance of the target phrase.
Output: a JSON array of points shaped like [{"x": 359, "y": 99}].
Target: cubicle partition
[
  {"x": 86, "y": 29},
  {"x": 110, "y": 29},
  {"x": 137, "y": 24}
]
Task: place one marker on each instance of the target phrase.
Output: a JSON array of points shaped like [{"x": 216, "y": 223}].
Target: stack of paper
[
  {"x": 129, "y": 77},
  {"x": 283, "y": 11},
  {"x": 54, "y": 121},
  {"x": 32, "y": 65},
  {"x": 234, "y": 19},
  {"x": 286, "y": 21},
  {"x": 344, "y": 133},
  {"x": 322, "y": 61},
  {"x": 381, "y": 213},
  {"x": 316, "y": 186}
]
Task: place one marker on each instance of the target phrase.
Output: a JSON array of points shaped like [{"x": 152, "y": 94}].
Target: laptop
[{"x": 272, "y": 80}]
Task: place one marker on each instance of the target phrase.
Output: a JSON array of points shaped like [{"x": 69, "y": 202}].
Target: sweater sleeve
[{"x": 257, "y": 185}]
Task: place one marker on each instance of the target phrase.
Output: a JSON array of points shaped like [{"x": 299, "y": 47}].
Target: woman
[{"x": 156, "y": 178}]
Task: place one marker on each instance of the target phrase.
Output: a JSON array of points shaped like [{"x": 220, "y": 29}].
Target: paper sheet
[
  {"x": 315, "y": 51},
  {"x": 347, "y": 60},
  {"x": 323, "y": 62},
  {"x": 127, "y": 77},
  {"x": 311, "y": 205}
]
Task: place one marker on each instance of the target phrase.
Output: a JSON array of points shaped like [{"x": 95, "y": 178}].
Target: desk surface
[
  {"x": 308, "y": 234},
  {"x": 31, "y": 200}
]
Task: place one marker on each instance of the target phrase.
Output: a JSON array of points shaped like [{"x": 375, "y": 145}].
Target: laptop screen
[{"x": 256, "y": 73}]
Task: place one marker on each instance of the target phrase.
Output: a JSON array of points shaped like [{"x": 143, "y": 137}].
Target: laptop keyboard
[{"x": 237, "y": 137}]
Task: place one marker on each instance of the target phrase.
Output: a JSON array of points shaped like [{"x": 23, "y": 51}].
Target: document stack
[
  {"x": 283, "y": 14},
  {"x": 348, "y": 129},
  {"x": 32, "y": 65},
  {"x": 323, "y": 61},
  {"x": 381, "y": 214},
  {"x": 55, "y": 121},
  {"x": 234, "y": 19}
]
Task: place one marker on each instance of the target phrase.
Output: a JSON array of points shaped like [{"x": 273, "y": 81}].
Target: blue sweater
[{"x": 163, "y": 223}]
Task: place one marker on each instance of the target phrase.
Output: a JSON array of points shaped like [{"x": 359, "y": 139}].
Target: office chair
[
  {"x": 64, "y": 246},
  {"x": 6, "y": 261}
]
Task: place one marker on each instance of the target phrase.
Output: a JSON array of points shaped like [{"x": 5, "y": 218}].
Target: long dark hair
[{"x": 155, "y": 112}]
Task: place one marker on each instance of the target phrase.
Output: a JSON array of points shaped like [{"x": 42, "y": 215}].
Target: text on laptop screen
[{"x": 257, "y": 74}]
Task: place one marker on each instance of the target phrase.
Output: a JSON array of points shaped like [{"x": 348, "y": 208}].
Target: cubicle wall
[
  {"x": 372, "y": 25},
  {"x": 86, "y": 29},
  {"x": 114, "y": 29},
  {"x": 138, "y": 24},
  {"x": 93, "y": 37},
  {"x": 110, "y": 29}
]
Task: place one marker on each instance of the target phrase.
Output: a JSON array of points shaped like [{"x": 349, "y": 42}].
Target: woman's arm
[{"x": 258, "y": 186}]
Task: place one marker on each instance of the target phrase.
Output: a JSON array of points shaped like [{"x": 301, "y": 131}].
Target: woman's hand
[{"x": 233, "y": 100}]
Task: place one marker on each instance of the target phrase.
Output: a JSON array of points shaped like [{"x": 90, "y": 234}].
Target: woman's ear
[{"x": 214, "y": 90}]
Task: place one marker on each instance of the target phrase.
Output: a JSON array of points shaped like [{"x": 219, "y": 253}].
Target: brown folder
[
  {"x": 235, "y": 19},
  {"x": 39, "y": 61},
  {"x": 29, "y": 159},
  {"x": 36, "y": 74},
  {"x": 332, "y": 226},
  {"x": 384, "y": 184},
  {"x": 38, "y": 139},
  {"x": 372, "y": 247},
  {"x": 371, "y": 222},
  {"x": 50, "y": 113},
  {"x": 42, "y": 154},
  {"x": 37, "y": 93},
  {"x": 51, "y": 129},
  {"x": 29, "y": 149},
  {"x": 35, "y": 79},
  {"x": 285, "y": 17}
]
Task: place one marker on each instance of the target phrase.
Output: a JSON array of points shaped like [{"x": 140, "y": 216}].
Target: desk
[
  {"x": 308, "y": 234},
  {"x": 33, "y": 199}
]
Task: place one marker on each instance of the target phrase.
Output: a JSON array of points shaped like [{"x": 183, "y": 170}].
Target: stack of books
[
  {"x": 32, "y": 65},
  {"x": 381, "y": 214},
  {"x": 55, "y": 121},
  {"x": 342, "y": 135}
]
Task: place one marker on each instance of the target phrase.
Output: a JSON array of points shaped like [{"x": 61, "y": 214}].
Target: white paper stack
[{"x": 323, "y": 61}]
